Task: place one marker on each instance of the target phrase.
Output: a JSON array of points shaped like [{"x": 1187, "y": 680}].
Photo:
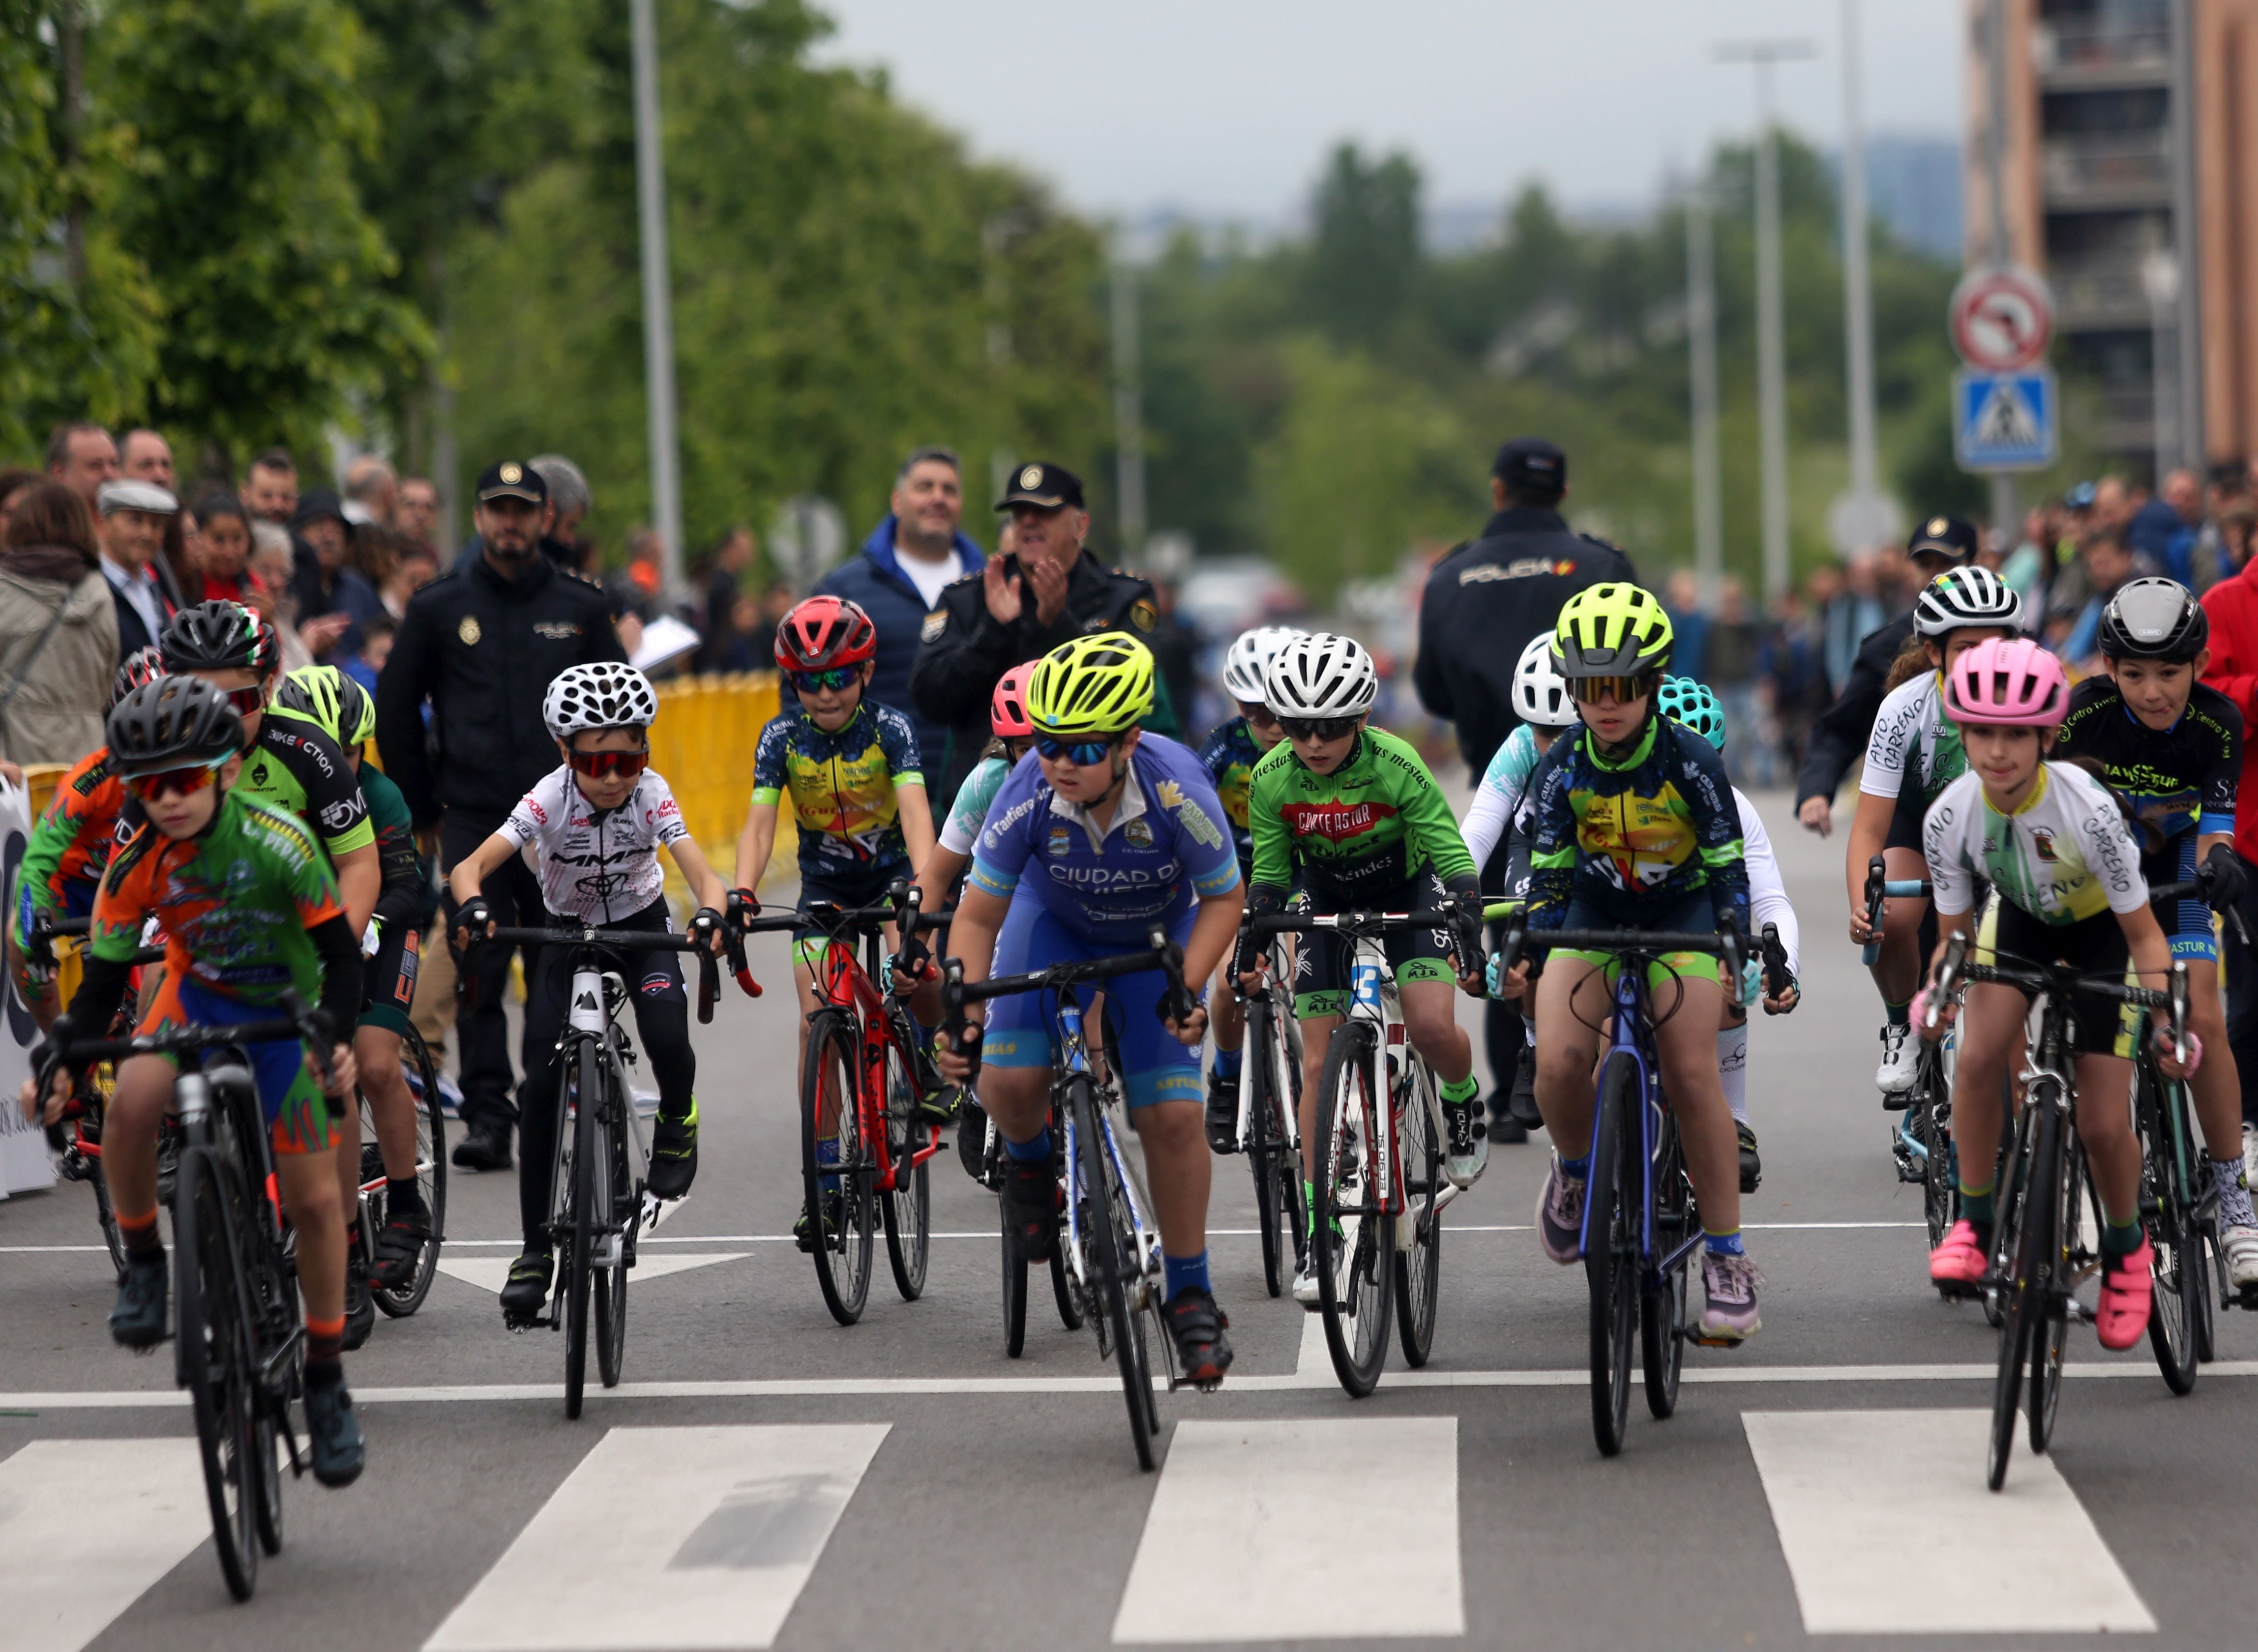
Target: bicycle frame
[
  {"x": 1073, "y": 1062},
  {"x": 1374, "y": 997},
  {"x": 850, "y": 985},
  {"x": 1633, "y": 1036},
  {"x": 1287, "y": 1045},
  {"x": 597, "y": 997}
]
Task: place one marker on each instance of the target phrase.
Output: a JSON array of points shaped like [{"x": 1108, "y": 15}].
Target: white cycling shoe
[
  {"x": 1305, "y": 1289},
  {"x": 1901, "y": 1060},
  {"x": 2240, "y": 1246}
]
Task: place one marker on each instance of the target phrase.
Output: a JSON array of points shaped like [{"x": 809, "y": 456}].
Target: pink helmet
[
  {"x": 2006, "y": 681},
  {"x": 1007, "y": 707}
]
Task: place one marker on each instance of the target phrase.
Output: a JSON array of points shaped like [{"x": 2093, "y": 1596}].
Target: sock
[
  {"x": 1897, "y": 1013},
  {"x": 325, "y": 1349},
  {"x": 827, "y": 1153},
  {"x": 1465, "y": 1090},
  {"x": 1576, "y": 1169},
  {"x": 1724, "y": 1244},
  {"x": 2119, "y": 1240},
  {"x": 140, "y": 1235},
  {"x": 2234, "y": 1209},
  {"x": 1310, "y": 1204},
  {"x": 401, "y": 1194},
  {"x": 1529, "y": 1031},
  {"x": 1226, "y": 1062},
  {"x": 1184, "y": 1272},
  {"x": 1733, "y": 1068},
  {"x": 1976, "y": 1204},
  {"x": 1033, "y": 1151}
]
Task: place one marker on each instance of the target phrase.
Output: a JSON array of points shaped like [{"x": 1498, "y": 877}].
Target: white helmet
[
  {"x": 604, "y": 694},
  {"x": 1540, "y": 693},
  {"x": 1966, "y": 597},
  {"x": 1248, "y": 658},
  {"x": 1321, "y": 676}
]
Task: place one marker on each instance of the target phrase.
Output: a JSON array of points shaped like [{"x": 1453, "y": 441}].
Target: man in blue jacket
[{"x": 897, "y": 580}]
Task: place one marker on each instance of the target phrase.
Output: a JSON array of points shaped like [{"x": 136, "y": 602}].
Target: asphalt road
[{"x": 765, "y": 1477}]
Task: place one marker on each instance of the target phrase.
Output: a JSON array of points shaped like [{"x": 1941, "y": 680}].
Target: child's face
[
  {"x": 235, "y": 683},
  {"x": 1323, "y": 756},
  {"x": 831, "y": 707},
  {"x": 183, "y": 814},
  {"x": 376, "y": 650},
  {"x": 2006, "y": 760},
  {"x": 1959, "y": 643},
  {"x": 2156, "y": 690},
  {"x": 1610, "y": 713},
  {"x": 605, "y": 792},
  {"x": 1261, "y": 724},
  {"x": 1086, "y": 783}
]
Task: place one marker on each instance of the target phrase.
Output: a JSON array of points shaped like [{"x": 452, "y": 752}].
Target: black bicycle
[
  {"x": 240, "y": 1344},
  {"x": 373, "y": 1209},
  {"x": 596, "y": 1198},
  {"x": 1922, "y": 1143},
  {"x": 1269, "y": 1116}
]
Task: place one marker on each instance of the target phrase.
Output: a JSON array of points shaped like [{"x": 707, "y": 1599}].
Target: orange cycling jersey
[{"x": 71, "y": 842}]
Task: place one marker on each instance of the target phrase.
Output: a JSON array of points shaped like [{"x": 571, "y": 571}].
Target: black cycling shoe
[
  {"x": 333, "y": 1432},
  {"x": 940, "y": 1104},
  {"x": 673, "y": 1155},
  {"x": 1222, "y": 1114},
  {"x": 399, "y": 1247},
  {"x": 527, "y": 1290},
  {"x": 1503, "y": 1126},
  {"x": 1030, "y": 1194},
  {"x": 138, "y": 1319},
  {"x": 1203, "y": 1351},
  {"x": 361, "y": 1307},
  {"x": 972, "y": 1141},
  {"x": 486, "y": 1146},
  {"x": 1523, "y": 1101},
  {"x": 803, "y": 1231},
  {"x": 1751, "y": 1166}
]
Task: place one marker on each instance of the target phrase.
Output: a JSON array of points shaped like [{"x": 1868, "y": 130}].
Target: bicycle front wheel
[
  {"x": 2066, "y": 1257},
  {"x": 841, "y": 1218},
  {"x": 1419, "y": 1262},
  {"x": 578, "y": 1260},
  {"x": 1353, "y": 1246},
  {"x": 218, "y": 1359},
  {"x": 431, "y": 1176},
  {"x": 2021, "y": 1294},
  {"x": 2182, "y": 1291},
  {"x": 620, "y": 1201},
  {"x": 909, "y": 1207},
  {"x": 1611, "y": 1258},
  {"x": 1114, "y": 1264},
  {"x": 1662, "y": 1307}
]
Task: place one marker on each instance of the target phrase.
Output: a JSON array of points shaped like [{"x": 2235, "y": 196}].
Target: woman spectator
[
  {"x": 57, "y": 630},
  {"x": 222, "y": 571},
  {"x": 13, "y": 485}
]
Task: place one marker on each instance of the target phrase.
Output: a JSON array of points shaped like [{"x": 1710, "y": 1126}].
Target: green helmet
[
  {"x": 1099, "y": 685},
  {"x": 1611, "y": 630},
  {"x": 331, "y": 701},
  {"x": 1690, "y": 703}
]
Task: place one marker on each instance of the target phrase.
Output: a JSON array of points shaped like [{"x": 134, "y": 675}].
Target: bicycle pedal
[{"x": 1700, "y": 1341}]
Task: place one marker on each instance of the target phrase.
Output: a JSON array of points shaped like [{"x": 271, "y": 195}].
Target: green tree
[{"x": 1364, "y": 259}]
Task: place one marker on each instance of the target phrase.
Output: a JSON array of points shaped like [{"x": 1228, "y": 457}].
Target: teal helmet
[{"x": 1691, "y": 704}]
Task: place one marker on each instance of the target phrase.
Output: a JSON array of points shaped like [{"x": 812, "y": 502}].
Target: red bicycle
[{"x": 864, "y": 1147}]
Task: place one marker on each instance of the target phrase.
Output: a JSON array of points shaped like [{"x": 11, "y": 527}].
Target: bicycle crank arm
[
  {"x": 655, "y": 1210},
  {"x": 271, "y": 1367}
]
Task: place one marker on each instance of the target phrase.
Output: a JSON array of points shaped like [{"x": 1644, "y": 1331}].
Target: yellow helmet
[
  {"x": 1611, "y": 630},
  {"x": 1099, "y": 685}
]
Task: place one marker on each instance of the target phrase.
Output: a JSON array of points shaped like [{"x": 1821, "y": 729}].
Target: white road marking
[
  {"x": 1227, "y": 1554},
  {"x": 1875, "y": 1511},
  {"x": 86, "y": 1526},
  {"x": 669, "y": 1540},
  {"x": 492, "y": 1273},
  {"x": 1313, "y": 1365}
]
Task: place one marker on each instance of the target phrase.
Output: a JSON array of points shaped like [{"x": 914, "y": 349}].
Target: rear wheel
[
  {"x": 1611, "y": 1261},
  {"x": 218, "y": 1360},
  {"x": 1662, "y": 1308},
  {"x": 909, "y": 1207},
  {"x": 1419, "y": 1264},
  {"x": 842, "y": 1219},
  {"x": 1272, "y": 1082},
  {"x": 1353, "y": 1246},
  {"x": 1934, "y": 1130},
  {"x": 1114, "y": 1265},
  {"x": 431, "y": 1176}
]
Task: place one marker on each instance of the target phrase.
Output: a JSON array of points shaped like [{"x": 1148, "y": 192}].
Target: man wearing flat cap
[
  {"x": 134, "y": 517},
  {"x": 1048, "y": 591}
]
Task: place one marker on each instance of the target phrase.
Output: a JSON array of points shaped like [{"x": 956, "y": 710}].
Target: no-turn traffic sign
[{"x": 2001, "y": 318}]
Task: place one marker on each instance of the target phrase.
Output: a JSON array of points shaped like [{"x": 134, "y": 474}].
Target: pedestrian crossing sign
[{"x": 2005, "y": 421}]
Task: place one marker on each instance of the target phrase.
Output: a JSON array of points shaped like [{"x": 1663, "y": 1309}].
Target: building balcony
[
  {"x": 2098, "y": 292},
  {"x": 2100, "y": 171},
  {"x": 2081, "y": 53}
]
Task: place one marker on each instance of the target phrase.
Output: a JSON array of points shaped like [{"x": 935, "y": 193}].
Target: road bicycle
[
  {"x": 1921, "y": 1142},
  {"x": 1641, "y": 1230},
  {"x": 373, "y": 1212},
  {"x": 239, "y": 1347},
  {"x": 1107, "y": 1235},
  {"x": 2040, "y": 1252},
  {"x": 1379, "y": 1190},
  {"x": 860, "y": 1082},
  {"x": 1015, "y": 1262},
  {"x": 1269, "y": 1127},
  {"x": 597, "y": 1203}
]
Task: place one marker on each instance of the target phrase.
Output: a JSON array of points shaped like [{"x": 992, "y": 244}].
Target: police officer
[
  {"x": 1839, "y": 736},
  {"x": 1482, "y": 604},
  {"x": 480, "y": 644},
  {"x": 1048, "y": 591}
]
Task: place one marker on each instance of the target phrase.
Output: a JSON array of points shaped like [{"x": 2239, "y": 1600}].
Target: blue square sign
[{"x": 2005, "y": 421}]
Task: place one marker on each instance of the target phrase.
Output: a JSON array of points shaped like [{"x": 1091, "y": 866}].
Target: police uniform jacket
[{"x": 483, "y": 650}]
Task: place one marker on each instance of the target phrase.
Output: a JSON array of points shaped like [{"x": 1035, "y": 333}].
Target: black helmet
[
  {"x": 2153, "y": 619},
  {"x": 143, "y": 665},
  {"x": 171, "y": 723},
  {"x": 221, "y": 636}
]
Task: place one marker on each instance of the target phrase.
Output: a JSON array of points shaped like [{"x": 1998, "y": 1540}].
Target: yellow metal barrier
[{"x": 702, "y": 744}]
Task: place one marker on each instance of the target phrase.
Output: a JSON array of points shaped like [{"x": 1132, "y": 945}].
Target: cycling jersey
[
  {"x": 2064, "y": 855},
  {"x": 1630, "y": 838},
  {"x": 1913, "y": 736},
  {"x": 962, "y": 829},
  {"x": 596, "y": 865},
  {"x": 2178, "y": 779},
  {"x": 401, "y": 904},
  {"x": 1768, "y": 902},
  {"x": 1498, "y": 798},
  {"x": 71, "y": 842},
  {"x": 299, "y": 770},
  {"x": 841, "y": 783},
  {"x": 1163, "y": 850},
  {"x": 1370, "y": 826},
  {"x": 1230, "y": 755}
]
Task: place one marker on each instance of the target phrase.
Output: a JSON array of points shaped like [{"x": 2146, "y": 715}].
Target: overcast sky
[{"x": 1225, "y": 106}]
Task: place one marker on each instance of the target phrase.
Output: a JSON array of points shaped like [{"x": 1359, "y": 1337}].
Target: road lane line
[
  {"x": 669, "y": 1540},
  {"x": 86, "y": 1528},
  {"x": 1875, "y": 1510},
  {"x": 1227, "y": 1553}
]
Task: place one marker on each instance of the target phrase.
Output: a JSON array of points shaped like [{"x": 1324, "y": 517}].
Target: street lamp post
[
  {"x": 1701, "y": 373},
  {"x": 1128, "y": 415},
  {"x": 658, "y": 299}
]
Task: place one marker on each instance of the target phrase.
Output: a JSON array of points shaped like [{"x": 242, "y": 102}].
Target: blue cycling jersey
[{"x": 1165, "y": 848}]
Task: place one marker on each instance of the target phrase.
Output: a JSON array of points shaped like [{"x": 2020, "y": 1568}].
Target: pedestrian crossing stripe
[
  {"x": 492, "y": 1273},
  {"x": 86, "y": 1528}
]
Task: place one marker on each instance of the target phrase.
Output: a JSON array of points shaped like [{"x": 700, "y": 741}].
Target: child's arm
[
  {"x": 470, "y": 876},
  {"x": 757, "y": 842},
  {"x": 914, "y": 813},
  {"x": 705, "y": 883}
]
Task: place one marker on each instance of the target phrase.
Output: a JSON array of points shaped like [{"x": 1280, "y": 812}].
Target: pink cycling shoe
[
  {"x": 2127, "y": 1290},
  {"x": 1956, "y": 1267}
]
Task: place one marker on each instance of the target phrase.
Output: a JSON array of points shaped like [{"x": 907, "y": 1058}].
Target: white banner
[{"x": 25, "y": 1164}]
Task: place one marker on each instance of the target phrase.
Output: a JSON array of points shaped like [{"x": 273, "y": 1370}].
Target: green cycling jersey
[{"x": 1368, "y": 826}]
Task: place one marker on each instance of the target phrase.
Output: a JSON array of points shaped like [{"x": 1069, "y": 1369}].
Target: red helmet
[
  {"x": 1007, "y": 707},
  {"x": 823, "y": 632}
]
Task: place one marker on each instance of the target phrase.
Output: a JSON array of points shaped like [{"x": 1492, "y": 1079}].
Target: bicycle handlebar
[
  {"x": 587, "y": 935},
  {"x": 46, "y": 928},
  {"x": 1177, "y": 1003},
  {"x": 2057, "y": 980},
  {"x": 1881, "y": 887},
  {"x": 297, "y": 1020},
  {"x": 1725, "y": 943}
]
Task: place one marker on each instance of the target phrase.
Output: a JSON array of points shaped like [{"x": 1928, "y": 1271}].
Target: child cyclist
[
  {"x": 1014, "y": 736},
  {"x": 2172, "y": 747},
  {"x": 249, "y": 911},
  {"x": 1634, "y": 827},
  {"x": 1352, "y": 811},
  {"x": 1110, "y": 831},
  {"x": 1230, "y": 755},
  {"x": 1911, "y": 756},
  {"x": 2054, "y": 846},
  {"x": 593, "y": 829}
]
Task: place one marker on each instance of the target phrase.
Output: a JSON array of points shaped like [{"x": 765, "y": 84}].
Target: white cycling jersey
[
  {"x": 599, "y": 868},
  {"x": 2066, "y": 856},
  {"x": 1768, "y": 902},
  {"x": 1912, "y": 735},
  {"x": 969, "y": 812},
  {"x": 1498, "y": 798}
]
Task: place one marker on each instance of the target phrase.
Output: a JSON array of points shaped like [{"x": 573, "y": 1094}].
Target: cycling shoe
[
  {"x": 333, "y": 1432},
  {"x": 1203, "y": 1351},
  {"x": 138, "y": 1319}
]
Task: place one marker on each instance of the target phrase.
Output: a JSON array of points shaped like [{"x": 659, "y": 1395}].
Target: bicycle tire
[
  {"x": 2053, "y": 1344},
  {"x": 2182, "y": 1289},
  {"x": 2009, "y": 1198},
  {"x": 431, "y": 1178},
  {"x": 1265, "y": 1141},
  {"x": 1611, "y": 1263},
  {"x": 843, "y": 1258},
  {"x": 1353, "y": 1246},
  {"x": 908, "y": 1209},
  {"x": 1015, "y": 1289},
  {"x": 578, "y": 1260},
  {"x": 2211, "y": 1276},
  {"x": 1419, "y": 1265},
  {"x": 217, "y": 1360},
  {"x": 1112, "y": 1271},
  {"x": 1939, "y": 1194},
  {"x": 622, "y": 1200},
  {"x": 112, "y": 1239},
  {"x": 1070, "y": 1312},
  {"x": 2021, "y": 1293},
  {"x": 1662, "y": 1307}
]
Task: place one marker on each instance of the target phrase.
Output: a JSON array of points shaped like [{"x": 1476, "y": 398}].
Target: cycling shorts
[
  {"x": 1020, "y": 1032},
  {"x": 1907, "y": 819},
  {"x": 1695, "y": 916},
  {"x": 1321, "y": 963},
  {"x": 2188, "y": 919},
  {"x": 864, "y": 884},
  {"x": 388, "y": 989},
  {"x": 2093, "y": 945},
  {"x": 298, "y": 1114}
]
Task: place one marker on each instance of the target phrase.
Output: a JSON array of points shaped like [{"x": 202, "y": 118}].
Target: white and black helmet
[
  {"x": 1540, "y": 693},
  {"x": 1247, "y": 662},
  {"x": 1321, "y": 676},
  {"x": 1961, "y": 597},
  {"x": 604, "y": 694}
]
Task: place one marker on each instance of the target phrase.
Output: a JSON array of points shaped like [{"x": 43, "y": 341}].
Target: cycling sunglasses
[
  {"x": 1318, "y": 727},
  {"x": 1083, "y": 754},
  {"x": 186, "y": 780},
  {"x": 838, "y": 679},
  {"x": 247, "y": 700},
  {"x": 602, "y": 765},
  {"x": 1256, "y": 714},
  {"x": 1624, "y": 689}
]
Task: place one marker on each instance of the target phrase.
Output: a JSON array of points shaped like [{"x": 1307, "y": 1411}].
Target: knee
[
  {"x": 1431, "y": 1029},
  {"x": 1171, "y": 1127}
]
